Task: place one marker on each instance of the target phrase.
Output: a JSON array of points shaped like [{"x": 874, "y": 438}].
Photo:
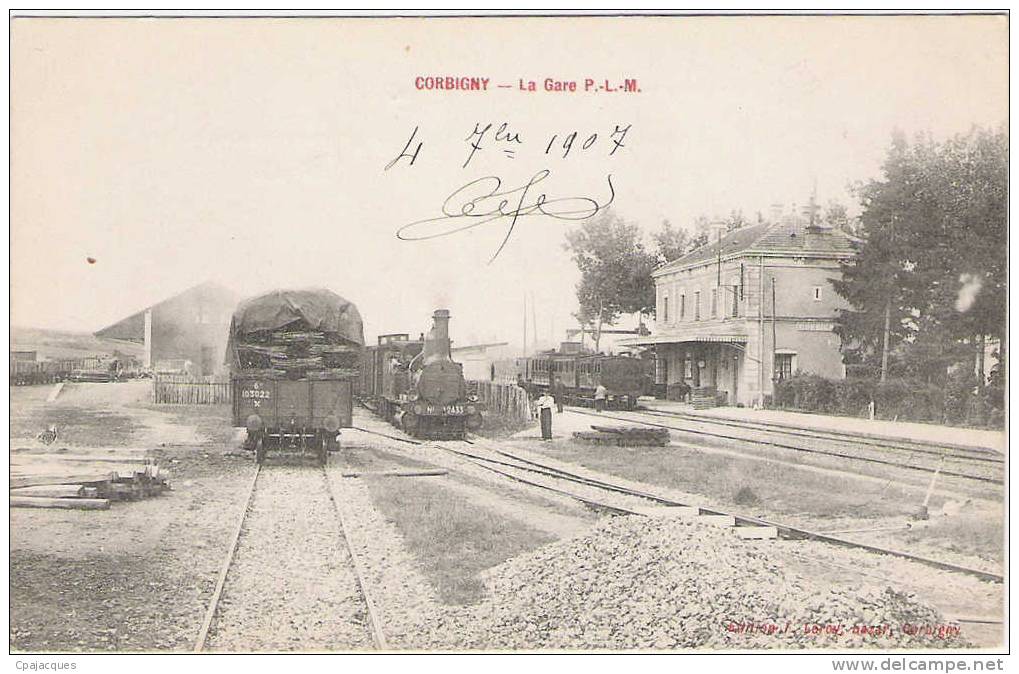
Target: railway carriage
[
  {"x": 416, "y": 385},
  {"x": 294, "y": 358},
  {"x": 623, "y": 377}
]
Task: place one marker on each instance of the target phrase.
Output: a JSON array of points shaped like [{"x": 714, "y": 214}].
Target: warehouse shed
[{"x": 186, "y": 332}]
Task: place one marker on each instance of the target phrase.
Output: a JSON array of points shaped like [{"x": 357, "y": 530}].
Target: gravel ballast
[
  {"x": 664, "y": 583},
  {"x": 292, "y": 585}
]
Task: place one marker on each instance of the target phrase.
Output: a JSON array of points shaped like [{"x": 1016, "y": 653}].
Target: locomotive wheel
[{"x": 260, "y": 451}]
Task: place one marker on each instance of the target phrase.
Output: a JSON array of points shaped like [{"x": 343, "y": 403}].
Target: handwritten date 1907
[{"x": 483, "y": 201}]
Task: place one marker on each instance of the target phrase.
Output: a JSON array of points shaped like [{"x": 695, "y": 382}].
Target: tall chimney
[
  {"x": 716, "y": 231},
  {"x": 437, "y": 341}
]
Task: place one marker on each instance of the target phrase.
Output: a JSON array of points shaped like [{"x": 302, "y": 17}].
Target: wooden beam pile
[
  {"x": 624, "y": 436},
  {"x": 298, "y": 354},
  {"x": 84, "y": 481}
]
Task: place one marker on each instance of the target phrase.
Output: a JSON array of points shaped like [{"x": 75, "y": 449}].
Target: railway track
[
  {"x": 544, "y": 476},
  {"x": 923, "y": 447},
  {"x": 740, "y": 520},
  {"x": 976, "y": 466},
  {"x": 254, "y": 593}
]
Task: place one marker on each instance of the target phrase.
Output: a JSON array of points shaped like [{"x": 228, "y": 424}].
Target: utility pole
[
  {"x": 525, "y": 325},
  {"x": 888, "y": 311},
  {"x": 534, "y": 322},
  {"x": 774, "y": 319},
  {"x": 884, "y": 341}
]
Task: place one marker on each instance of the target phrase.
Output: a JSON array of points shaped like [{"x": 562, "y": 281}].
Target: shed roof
[
  {"x": 132, "y": 328},
  {"x": 781, "y": 237}
]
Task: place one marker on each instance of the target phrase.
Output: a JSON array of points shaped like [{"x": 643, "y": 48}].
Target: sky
[{"x": 150, "y": 155}]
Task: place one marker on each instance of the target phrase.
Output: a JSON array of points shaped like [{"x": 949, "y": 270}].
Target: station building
[
  {"x": 753, "y": 307},
  {"x": 184, "y": 333}
]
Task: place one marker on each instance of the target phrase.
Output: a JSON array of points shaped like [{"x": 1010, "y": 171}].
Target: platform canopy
[{"x": 652, "y": 340}]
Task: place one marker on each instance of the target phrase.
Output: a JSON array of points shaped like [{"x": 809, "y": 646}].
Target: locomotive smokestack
[{"x": 437, "y": 342}]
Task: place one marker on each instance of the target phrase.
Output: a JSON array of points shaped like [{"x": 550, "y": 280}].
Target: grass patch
[
  {"x": 966, "y": 534},
  {"x": 452, "y": 538},
  {"x": 744, "y": 482}
]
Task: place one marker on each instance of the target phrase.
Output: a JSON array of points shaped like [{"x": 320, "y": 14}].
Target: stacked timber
[
  {"x": 624, "y": 436},
  {"x": 704, "y": 398},
  {"x": 86, "y": 481},
  {"x": 298, "y": 354}
]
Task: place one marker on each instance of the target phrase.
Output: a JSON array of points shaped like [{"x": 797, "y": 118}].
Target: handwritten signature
[{"x": 482, "y": 201}]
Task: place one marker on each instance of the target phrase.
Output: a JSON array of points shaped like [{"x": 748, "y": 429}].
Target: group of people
[{"x": 554, "y": 397}]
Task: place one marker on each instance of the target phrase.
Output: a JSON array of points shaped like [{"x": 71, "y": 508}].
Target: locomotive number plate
[{"x": 445, "y": 409}]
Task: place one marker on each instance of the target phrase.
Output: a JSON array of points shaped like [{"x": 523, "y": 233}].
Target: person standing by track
[
  {"x": 559, "y": 393},
  {"x": 600, "y": 394},
  {"x": 545, "y": 404}
]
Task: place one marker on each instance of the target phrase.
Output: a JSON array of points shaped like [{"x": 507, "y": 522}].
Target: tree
[
  {"x": 671, "y": 243},
  {"x": 836, "y": 217},
  {"x": 615, "y": 271},
  {"x": 735, "y": 221},
  {"x": 928, "y": 286}
]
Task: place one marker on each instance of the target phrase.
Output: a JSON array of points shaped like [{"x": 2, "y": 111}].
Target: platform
[{"x": 877, "y": 428}]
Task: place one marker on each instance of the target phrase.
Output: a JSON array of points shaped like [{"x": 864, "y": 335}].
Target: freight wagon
[{"x": 294, "y": 359}]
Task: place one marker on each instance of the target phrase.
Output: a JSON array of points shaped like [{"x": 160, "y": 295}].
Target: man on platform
[
  {"x": 559, "y": 393},
  {"x": 600, "y": 394},
  {"x": 545, "y": 404}
]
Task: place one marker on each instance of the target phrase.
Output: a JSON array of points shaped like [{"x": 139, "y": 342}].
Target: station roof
[
  {"x": 684, "y": 339},
  {"x": 775, "y": 238}
]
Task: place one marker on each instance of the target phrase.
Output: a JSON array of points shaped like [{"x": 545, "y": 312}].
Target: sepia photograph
[{"x": 673, "y": 333}]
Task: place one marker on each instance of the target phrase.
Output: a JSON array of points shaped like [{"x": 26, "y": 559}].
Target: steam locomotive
[{"x": 416, "y": 386}]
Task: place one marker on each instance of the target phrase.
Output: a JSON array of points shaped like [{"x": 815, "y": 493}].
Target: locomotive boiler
[{"x": 416, "y": 385}]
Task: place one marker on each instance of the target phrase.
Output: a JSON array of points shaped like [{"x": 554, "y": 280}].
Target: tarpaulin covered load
[
  {"x": 296, "y": 334},
  {"x": 314, "y": 309}
]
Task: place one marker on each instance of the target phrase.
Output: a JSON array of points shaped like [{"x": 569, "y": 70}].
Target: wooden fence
[
  {"x": 505, "y": 400},
  {"x": 190, "y": 392}
]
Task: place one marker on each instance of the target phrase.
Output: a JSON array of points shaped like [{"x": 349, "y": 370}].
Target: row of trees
[{"x": 928, "y": 288}]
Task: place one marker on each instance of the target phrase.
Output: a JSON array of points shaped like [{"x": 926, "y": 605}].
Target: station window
[
  {"x": 697, "y": 305},
  {"x": 665, "y": 307},
  {"x": 817, "y": 293},
  {"x": 735, "y": 300},
  {"x": 714, "y": 302},
  {"x": 682, "y": 307},
  {"x": 784, "y": 365}
]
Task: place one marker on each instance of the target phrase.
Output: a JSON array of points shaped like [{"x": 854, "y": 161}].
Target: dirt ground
[{"x": 136, "y": 577}]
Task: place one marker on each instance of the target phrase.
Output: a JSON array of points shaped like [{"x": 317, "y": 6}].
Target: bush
[
  {"x": 906, "y": 400},
  {"x": 909, "y": 400},
  {"x": 900, "y": 398},
  {"x": 807, "y": 392},
  {"x": 746, "y": 496},
  {"x": 854, "y": 396}
]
